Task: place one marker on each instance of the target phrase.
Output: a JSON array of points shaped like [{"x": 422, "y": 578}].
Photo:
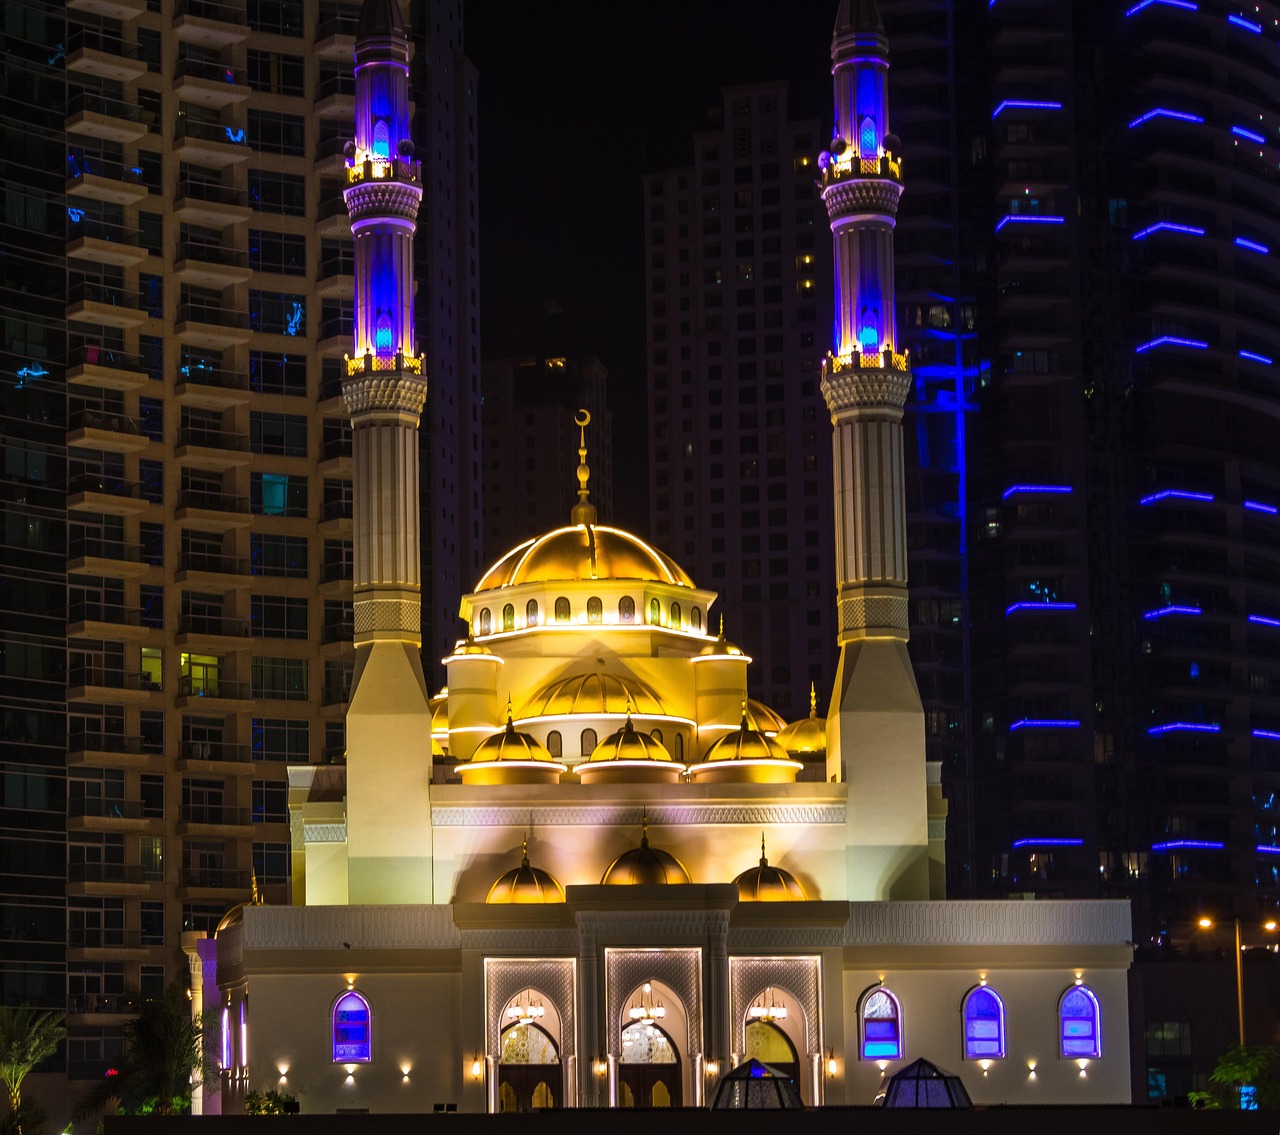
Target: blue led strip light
[
  {"x": 1176, "y": 494},
  {"x": 1029, "y": 219},
  {"x": 1266, "y": 735},
  {"x": 1160, "y": 612},
  {"x": 1170, "y": 226},
  {"x": 1024, "y": 104},
  {"x": 1048, "y": 841},
  {"x": 1267, "y": 849},
  {"x": 1193, "y": 844},
  {"x": 1184, "y": 727},
  {"x": 1173, "y": 341},
  {"x": 1258, "y": 506},
  {"x": 1264, "y": 620},
  {"x": 1044, "y": 723},
  {"x": 1254, "y": 357},
  {"x": 1252, "y": 135},
  {"x": 1039, "y": 605},
  {"x": 1241, "y": 22},
  {"x": 1014, "y": 490},
  {"x": 1185, "y": 4},
  {"x": 1165, "y": 112},
  {"x": 1252, "y": 245}
]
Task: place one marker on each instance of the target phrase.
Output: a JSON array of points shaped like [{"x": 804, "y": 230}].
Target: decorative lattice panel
[
  {"x": 551, "y": 978},
  {"x": 681, "y": 969},
  {"x": 799, "y": 977}
]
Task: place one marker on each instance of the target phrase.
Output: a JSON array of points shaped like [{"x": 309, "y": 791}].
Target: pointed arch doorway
[
  {"x": 529, "y": 1075},
  {"x": 649, "y": 1073},
  {"x": 770, "y": 1045}
]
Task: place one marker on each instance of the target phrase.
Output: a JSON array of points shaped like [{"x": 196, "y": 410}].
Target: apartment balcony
[
  {"x": 336, "y": 639},
  {"x": 94, "y": 52},
  {"x": 96, "y": 116},
  {"x": 336, "y": 279},
  {"x": 211, "y": 266},
  {"x": 336, "y": 97},
  {"x": 215, "y": 694},
  {"x": 217, "y": 636},
  {"x": 330, "y": 159},
  {"x": 106, "y": 750},
  {"x": 91, "y": 302},
  {"x": 98, "y": 815},
  {"x": 102, "y": 243},
  {"x": 213, "y": 572},
  {"x": 215, "y": 758},
  {"x": 213, "y": 883},
  {"x": 113, "y": 879},
  {"x": 214, "y": 820},
  {"x": 100, "y": 944},
  {"x": 99, "y": 180},
  {"x": 335, "y": 519},
  {"x": 218, "y": 328},
  {"x": 111, "y": 496},
  {"x": 333, "y": 700},
  {"x": 209, "y": 143},
  {"x": 102, "y": 369},
  {"x": 335, "y": 38},
  {"x": 211, "y": 24},
  {"x": 207, "y": 388},
  {"x": 212, "y": 450},
  {"x": 113, "y": 9},
  {"x": 332, "y": 219},
  {"x": 106, "y": 621},
  {"x": 200, "y": 203},
  {"x": 209, "y": 84},
  {"x": 332, "y": 404},
  {"x": 113, "y": 687},
  {"x": 108, "y": 433},
  {"x": 113, "y": 558},
  {"x": 335, "y": 459},
  {"x": 212, "y": 512},
  {"x": 335, "y": 581},
  {"x": 336, "y": 335}
]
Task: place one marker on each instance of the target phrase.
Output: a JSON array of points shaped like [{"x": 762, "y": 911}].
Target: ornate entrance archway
[
  {"x": 529, "y": 1072},
  {"x": 649, "y": 1073}
]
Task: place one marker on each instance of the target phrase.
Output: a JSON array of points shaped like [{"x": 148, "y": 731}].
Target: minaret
[
  {"x": 875, "y": 728},
  {"x": 388, "y": 721}
]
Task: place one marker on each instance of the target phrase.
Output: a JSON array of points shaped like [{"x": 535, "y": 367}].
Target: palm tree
[
  {"x": 164, "y": 1059},
  {"x": 27, "y": 1036}
]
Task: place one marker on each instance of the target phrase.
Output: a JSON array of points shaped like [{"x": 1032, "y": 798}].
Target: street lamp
[{"x": 1270, "y": 924}]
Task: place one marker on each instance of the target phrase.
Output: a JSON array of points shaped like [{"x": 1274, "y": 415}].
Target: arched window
[
  {"x": 675, "y": 614},
  {"x": 1079, "y": 1023},
  {"x": 595, "y": 610},
  {"x": 881, "y": 1021},
  {"x": 588, "y": 742},
  {"x": 695, "y": 616},
  {"x": 867, "y": 138},
  {"x": 381, "y": 140},
  {"x": 983, "y": 1024},
  {"x": 679, "y": 753},
  {"x": 626, "y": 609},
  {"x": 562, "y": 610},
  {"x": 508, "y": 618},
  {"x": 554, "y": 744},
  {"x": 656, "y": 734},
  {"x": 486, "y": 621},
  {"x": 531, "y": 613},
  {"x": 351, "y": 1025},
  {"x": 382, "y": 336},
  {"x": 655, "y": 612}
]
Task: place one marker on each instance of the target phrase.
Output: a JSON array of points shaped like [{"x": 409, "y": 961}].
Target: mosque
[{"x": 593, "y": 871}]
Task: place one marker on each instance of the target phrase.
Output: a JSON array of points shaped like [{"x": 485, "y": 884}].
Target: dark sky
[{"x": 577, "y": 101}]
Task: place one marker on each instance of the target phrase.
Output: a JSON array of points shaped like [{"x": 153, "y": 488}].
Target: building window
[
  {"x": 881, "y": 1021},
  {"x": 655, "y": 612},
  {"x": 588, "y": 742},
  {"x": 486, "y": 621},
  {"x": 284, "y": 678},
  {"x": 508, "y": 617},
  {"x": 675, "y": 614},
  {"x": 679, "y": 750},
  {"x": 531, "y": 613},
  {"x": 626, "y": 609},
  {"x": 595, "y": 610},
  {"x": 277, "y": 616},
  {"x": 352, "y": 1026},
  {"x": 656, "y": 734},
  {"x": 554, "y": 744},
  {"x": 983, "y": 1025},
  {"x": 1079, "y": 1023},
  {"x": 280, "y": 739},
  {"x": 281, "y": 435},
  {"x": 277, "y": 494},
  {"x": 695, "y": 617},
  {"x": 284, "y": 556},
  {"x": 562, "y": 610}
]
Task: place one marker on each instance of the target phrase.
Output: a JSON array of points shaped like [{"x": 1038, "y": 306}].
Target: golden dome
[
  {"x": 809, "y": 734},
  {"x": 645, "y": 864},
  {"x": 466, "y": 646},
  {"x": 746, "y": 755},
  {"x": 510, "y": 757},
  {"x": 525, "y": 884},
  {"x": 439, "y": 707},
  {"x": 594, "y": 693},
  {"x": 722, "y": 647},
  {"x": 628, "y": 755},
  {"x": 583, "y": 551},
  {"x": 627, "y": 745},
  {"x": 766, "y": 883},
  {"x": 761, "y": 718}
]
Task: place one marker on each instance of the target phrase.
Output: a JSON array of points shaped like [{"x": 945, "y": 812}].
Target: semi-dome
[
  {"x": 594, "y": 693},
  {"x": 645, "y": 864},
  {"x": 510, "y": 757},
  {"x": 583, "y": 551},
  {"x": 746, "y": 755},
  {"x": 767, "y": 883},
  {"x": 809, "y": 734},
  {"x": 526, "y": 884},
  {"x": 628, "y": 755}
]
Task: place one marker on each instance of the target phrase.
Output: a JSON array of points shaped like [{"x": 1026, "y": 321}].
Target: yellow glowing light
[
  {"x": 985, "y": 1065},
  {"x": 712, "y": 1068},
  {"x": 405, "y": 1069},
  {"x": 283, "y": 1067},
  {"x": 882, "y": 1065},
  {"x": 1205, "y": 923},
  {"x": 477, "y": 1067},
  {"x": 1270, "y": 924}
]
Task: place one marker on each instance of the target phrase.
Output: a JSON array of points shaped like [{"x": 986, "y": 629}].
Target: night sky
[{"x": 578, "y": 100}]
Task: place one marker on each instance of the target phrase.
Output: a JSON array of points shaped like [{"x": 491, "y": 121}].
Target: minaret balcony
[
  {"x": 210, "y": 389},
  {"x": 103, "y": 369},
  {"x": 887, "y": 359},
  {"x": 91, "y": 51},
  {"x": 849, "y": 166},
  {"x": 384, "y": 169},
  {"x": 100, "y": 180},
  {"x": 92, "y": 302},
  {"x": 369, "y": 363},
  {"x": 210, "y": 84},
  {"x": 111, "y": 558},
  {"x": 106, "y": 494},
  {"x": 109, "y": 433},
  {"x": 218, "y": 206},
  {"x": 211, "y": 24},
  {"x": 209, "y": 143},
  {"x": 102, "y": 243},
  {"x": 96, "y": 116}
]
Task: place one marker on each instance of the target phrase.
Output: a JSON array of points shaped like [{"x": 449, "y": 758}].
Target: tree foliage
[
  {"x": 270, "y": 1102},
  {"x": 1255, "y": 1066},
  {"x": 27, "y": 1036}
]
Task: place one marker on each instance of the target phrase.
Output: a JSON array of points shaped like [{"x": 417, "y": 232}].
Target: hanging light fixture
[
  {"x": 767, "y": 1009},
  {"x": 526, "y": 1010},
  {"x": 650, "y": 1010}
]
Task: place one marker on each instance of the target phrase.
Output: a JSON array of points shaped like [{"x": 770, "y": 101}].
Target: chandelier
[
  {"x": 767, "y": 1009},
  {"x": 526, "y": 1010},
  {"x": 650, "y": 1010}
]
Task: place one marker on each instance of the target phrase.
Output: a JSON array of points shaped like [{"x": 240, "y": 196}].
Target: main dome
[{"x": 583, "y": 552}]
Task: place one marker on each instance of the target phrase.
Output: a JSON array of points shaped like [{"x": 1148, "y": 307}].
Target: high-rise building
[
  {"x": 178, "y": 298},
  {"x": 1092, "y": 263},
  {"x": 737, "y": 324}
]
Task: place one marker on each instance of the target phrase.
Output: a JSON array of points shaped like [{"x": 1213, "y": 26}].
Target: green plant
[
  {"x": 270, "y": 1102},
  {"x": 1255, "y": 1068},
  {"x": 27, "y": 1036},
  {"x": 25, "y": 1119}
]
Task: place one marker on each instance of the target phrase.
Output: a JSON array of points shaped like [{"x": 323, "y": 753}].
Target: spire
[
  {"x": 813, "y": 700},
  {"x": 859, "y": 16},
  {"x": 584, "y": 512},
  {"x": 763, "y": 861},
  {"x": 380, "y": 18}
]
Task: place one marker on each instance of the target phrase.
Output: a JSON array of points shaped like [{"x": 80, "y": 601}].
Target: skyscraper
[{"x": 178, "y": 299}]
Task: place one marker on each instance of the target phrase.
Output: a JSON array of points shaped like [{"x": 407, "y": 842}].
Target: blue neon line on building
[
  {"x": 1029, "y": 219},
  {"x": 1258, "y": 506},
  {"x": 1241, "y": 22},
  {"x": 1044, "y": 723},
  {"x": 1179, "y": 844},
  {"x": 1049, "y": 841},
  {"x": 1184, "y": 727},
  {"x": 1045, "y": 605},
  {"x": 1013, "y": 490},
  {"x": 1173, "y": 341},
  {"x": 1160, "y": 612},
  {"x": 1024, "y": 104},
  {"x": 1165, "y": 112},
  {"x": 1264, "y": 620},
  {"x": 1186, "y": 4},
  {"x": 1252, "y": 245},
  {"x": 1252, "y": 135},
  {"x": 1267, "y": 849},
  {"x": 1170, "y": 226},
  {"x": 1254, "y": 357},
  {"x": 1266, "y": 734},
  {"x": 1176, "y": 494}
]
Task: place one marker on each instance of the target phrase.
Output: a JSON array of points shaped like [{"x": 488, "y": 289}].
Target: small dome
[
  {"x": 645, "y": 864},
  {"x": 594, "y": 694},
  {"x": 763, "y": 719},
  {"x": 809, "y": 734},
  {"x": 722, "y": 647},
  {"x": 628, "y": 755},
  {"x": 583, "y": 551},
  {"x": 525, "y": 884},
  {"x": 746, "y": 744},
  {"x": 627, "y": 745},
  {"x": 746, "y": 755},
  {"x": 466, "y": 646},
  {"x": 510, "y": 744},
  {"x": 510, "y": 757},
  {"x": 766, "y": 883}
]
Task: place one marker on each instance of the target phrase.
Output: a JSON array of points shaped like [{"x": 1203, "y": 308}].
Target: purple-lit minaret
[
  {"x": 876, "y": 723},
  {"x": 388, "y": 723}
]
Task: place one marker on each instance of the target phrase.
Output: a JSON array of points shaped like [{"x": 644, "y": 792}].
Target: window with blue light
[
  {"x": 983, "y": 1025},
  {"x": 881, "y": 1021},
  {"x": 277, "y": 494},
  {"x": 351, "y": 1028},
  {"x": 1079, "y": 1024}
]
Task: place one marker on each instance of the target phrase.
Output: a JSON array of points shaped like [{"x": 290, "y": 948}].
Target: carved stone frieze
[
  {"x": 861, "y": 197},
  {"x": 622, "y": 815},
  {"x": 550, "y": 978},
  {"x": 386, "y": 615},
  {"x": 879, "y": 613},
  {"x": 349, "y": 927},
  {"x": 856, "y": 389},
  {"x": 800, "y": 977},
  {"x": 385, "y": 392},
  {"x": 1081, "y": 922},
  {"x": 383, "y": 199},
  {"x": 324, "y": 833}
]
